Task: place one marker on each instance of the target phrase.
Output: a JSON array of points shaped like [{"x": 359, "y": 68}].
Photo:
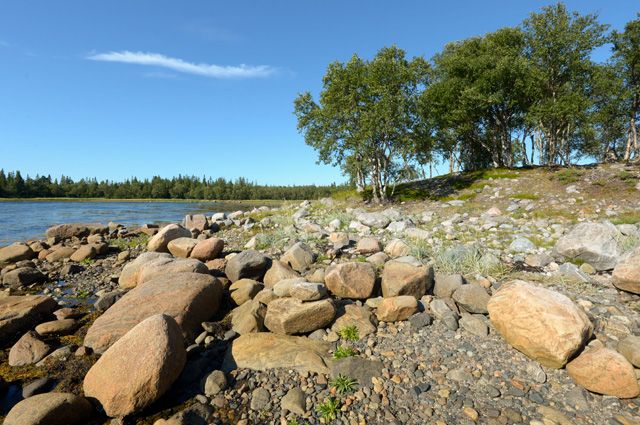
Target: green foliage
[
  {"x": 129, "y": 243},
  {"x": 343, "y": 384},
  {"x": 328, "y": 410},
  {"x": 566, "y": 176},
  {"x": 349, "y": 333},
  {"x": 629, "y": 217},
  {"x": 87, "y": 261},
  {"x": 530, "y": 196},
  {"x": 343, "y": 351}
]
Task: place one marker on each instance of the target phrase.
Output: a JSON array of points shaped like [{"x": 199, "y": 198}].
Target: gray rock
[
  {"x": 373, "y": 219},
  {"x": 521, "y": 244},
  {"x": 594, "y": 243},
  {"x": 357, "y": 368},
  {"x": 23, "y": 276},
  {"x": 260, "y": 398},
  {"x": 573, "y": 272},
  {"x": 248, "y": 264},
  {"x": 214, "y": 383},
  {"x": 294, "y": 401},
  {"x": 446, "y": 285},
  {"x": 420, "y": 320},
  {"x": 473, "y": 298},
  {"x": 475, "y": 324}
]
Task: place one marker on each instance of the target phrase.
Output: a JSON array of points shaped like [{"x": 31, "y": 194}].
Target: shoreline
[{"x": 212, "y": 201}]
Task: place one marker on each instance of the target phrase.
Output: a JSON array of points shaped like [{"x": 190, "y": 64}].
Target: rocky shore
[{"x": 515, "y": 300}]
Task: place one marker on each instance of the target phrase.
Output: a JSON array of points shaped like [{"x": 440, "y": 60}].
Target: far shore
[{"x": 213, "y": 201}]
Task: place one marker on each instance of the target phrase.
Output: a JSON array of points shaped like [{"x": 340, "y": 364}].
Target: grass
[
  {"x": 343, "y": 384},
  {"x": 628, "y": 243},
  {"x": 460, "y": 197},
  {"x": 540, "y": 242},
  {"x": 419, "y": 248},
  {"x": 349, "y": 333},
  {"x": 529, "y": 196},
  {"x": 129, "y": 243},
  {"x": 628, "y": 178},
  {"x": 470, "y": 262},
  {"x": 343, "y": 352},
  {"x": 567, "y": 176},
  {"x": 629, "y": 217},
  {"x": 87, "y": 261},
  {"x": 328, "y": 410}
]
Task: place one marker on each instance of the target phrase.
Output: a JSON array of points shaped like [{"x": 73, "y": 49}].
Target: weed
[
  {"x": 129, "y": 243},
  {"x": 568, "y": 175},
  {"x": 349, "y": 333},
  {"x": 629, "y": 217},
  {"x": 530, "y": 196},
  {"x": 628, "y": 178},
  {"x": 541, "y": 242},
  {"x": 344, "y": 352},
  {"x": 329, "y": 409},
  {"x": 87, "y": 261},
  {"x": 343, "y": 384},
  {"x": 82, "y": 293},
  {"x": 419, "y": 248},
  {"x": 600, "y": 182}
]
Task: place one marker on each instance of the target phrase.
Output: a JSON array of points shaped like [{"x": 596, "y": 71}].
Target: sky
[{"x": 120, "y": 88}]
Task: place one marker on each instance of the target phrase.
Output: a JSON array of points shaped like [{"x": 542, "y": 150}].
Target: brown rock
[
  {"x": 277, "y": 272},
  {"x": 139, "y": 368},
  {"x": 190, "y": 298},
  {"x": 368, "y": 246},
  {"x": 545, "y": 325},
  {"x": 23, "y": 276},
  {"x": 244, "y": 290},
  {"x": 28, "y": 350},
  {"x": 196, "y": 221},
  {"x": 473, "y": 298},
  {"x": 207, "y": 249},
  {"x": 14, "y": 253},
  {"x": 78, "y": 230},
  {"x": 249, "y": 317},
  {"x": 292, "y": 316},
  {"x": 50, "y": 409},
  {"x": 394, "y": 309},
  {"x": 351, "y": 280},
  {"x": 400, "y": 278},
  {"x": 626, "y": 274},
  {"x": 57, "y": 327},
  {"x": 60, "y": 253},
  {"x": 159, "y": 242},
  {"x": 182, "y": 247},
  {"x": 629, "y": 347},
  {"x": 358, "y": 316},
  {"x": 84, "y": 252},
  {"x": 21, "y": 313},
  {"x": 604, "y": 371},
  {"x": 153, "y": 264},
  {"x": 299, "y": 257},
  {"x": 397, "y": 248}
]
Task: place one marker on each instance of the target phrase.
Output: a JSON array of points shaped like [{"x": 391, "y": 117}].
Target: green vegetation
[
  {"x": 87, "y": 261},
  {"x": 343, "y": 351},
  {"x": 628, "y": 178},
  {"x": 530, "y": 196},
  {"x": 629, "y": 217},
  {"x": 343, "y": 384},
  {"x": 328, "y": 410},
  {"x": 349, "y": 333},
  {"x": 570, "y": 175},
  {"x": 129, "y": 243}
]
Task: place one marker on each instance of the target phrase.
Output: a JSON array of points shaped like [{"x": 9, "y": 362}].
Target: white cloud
[{"x": 179, "y": 65}]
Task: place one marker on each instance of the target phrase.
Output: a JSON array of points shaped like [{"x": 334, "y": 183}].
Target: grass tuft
[
  {"x": 349, "y": 333},
  {"x": 343, "y": 352},
  {"x": 328, "y": 410},
  {"x": 343, "y": 384}
]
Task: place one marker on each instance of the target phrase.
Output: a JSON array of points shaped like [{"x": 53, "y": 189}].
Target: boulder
[
  {"x": 473, "y": 298},
  {"x": 214, "y": 383},
  {"x": 59, "y": 253},
  {"x": 150, "y": 265},
  {"x": 244, "y": 290},
  {"x": 626, "y": 274},
  {"x": 207, "y": 249},
  {"x": 373, "y": 219},
  {"x": 446, "y": 284},
  {"x": 190, "y": 298},
  {"x": 629, "y": 347},
  {"x": 277, "y": 272},
  {"x": 265, "y": 350},
  {"x": 397, "y": 248},
  {"x": 77, "y": 230},
  {"x": 249, "y": 317},
  {"x": 350, "y": 280},
  {"x": 182, "y": 247},
  {"x": 248, "y": 264},
  {"x": 57, "y": 327},
  {"x": 50, "y": 409},
  {"x": 21, "y": 313},
  {"x": 160, "y": 241},
  {"x": 29, "y": 349},
  {"x": 394, "y": 309},
  {"x": 358, "y": 316},
  {"x": 543, "y": 324},
  {"x": 401, "y": 278},
  {"x": 292, "y": 316},
  {"x": 14, "y": 253},
  {"x": 308, "y": 291},
  {"x": 196, "y": 222},
  {"x": 594, "y": 243},
  {"x": 139, "y": 368},
  {"x": 299, "y": 257},
  {"x": 367, "y": 246},
  {"x": 604, "y": 371},
  {"x": 23, "y": 276},
  {"x": 86, "y": 252}
]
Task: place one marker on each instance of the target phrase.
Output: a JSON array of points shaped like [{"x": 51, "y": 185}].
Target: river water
[{"x": 21, "y": 220}]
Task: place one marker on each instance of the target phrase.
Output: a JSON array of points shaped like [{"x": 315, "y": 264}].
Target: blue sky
[{"x": 117, "y": 88}]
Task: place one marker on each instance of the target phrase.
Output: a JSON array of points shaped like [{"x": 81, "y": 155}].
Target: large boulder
[
  {"x": 78, "y": 230},
  {"x": 402, "y": 278},
  {"x": 50, "y": 409},
  {"x": 15, "y": 252},
  {"x": 594, "y": 243},
  {"x": 626, "y": 274},
  {"x": 23, "y": 276},
  {"x": 393, "y": 309},
  {"x": 59, "y": 253},
  {"x": 29, "y": 349},
  {"x": 153, "y": 264},
  {"x": 21, "y": 313},
  {"x": 196, "y": 222},
  {"x": 543, "y": 324},
  {"x": 159, "y": 242},
  {"x": 351, "y": 280},
  {"x": 190, "y": 298},
  {"x": 277, "y": 272},
  {"x": 299, "y": 257},
  {"x": 182, "y": 247},
  {"x": 292, "y": 316},
  {"x": 207, "y": 249},
  {"x": 139, "y": 368},
  {"x": 604, "y": 371},
  {"x": 265, "y": 350},
  {"x": 248, "y": 264}
]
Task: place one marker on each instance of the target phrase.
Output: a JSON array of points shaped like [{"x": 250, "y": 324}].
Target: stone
[
  {"x": 573, "y": 273},
  {"x": 420, "y": 320},
  {"x": 182, "y": 247},
  {"x": 244, "y": 290},
  {"x": 14, "y": 253},
  {"x": 196, "y": 222},
  {"x": 292, "y": 316},
  {"x": 19, "y": 313},
  {"x": 521, "y": 244},
  {"x": 149, "y": 265},
  {"x": 29, "y": 349},
  {"x": 475, "y": 324},
  {"x": 50, "y": 409},
  {"x": 248, "y": 264},
  {"x": 57, "y": 327},
  {"x": 401, "y": 278},
  {"x": 629, "y": 347},
  {"x": 350, "y": 280},
  {"x": 442, "y": 311},
  {"x": 473, "y": 298},
  {"x": 378, "y": 259},
  {"x": 107, "y": 300},
  {"x": 190, "y": 298},
  {"x": 373, "y": 219},
  {"x": 123, "y": 386},
  {"x": 299, "y": 257},
  {"x": 39, "y": 386},
  {"x": 70, "y": 269},
  {"x": 446, "y": 284},
  {"x": 77, "y": 230},
  {"x": 215, "y": 383},
  {"x": 594, "y": 243},
  {"x": 358, "y": 316},
  {"x": 538, "y": 260},
  {"x": 23, "y": 276},
  {"x": 626, "y": 274},
  {"x": 367, "y": 246},
  {"x": 266, "y": 350},
  {"x": 160, "y": 241},
  {"x": 207, "y": 249},
  {"x": 308, "y": 291},
  {"x": 59, "y": 253},
  {"x": 543, "y": 324},
  {"x": 604, "y": 371},
  {"x": 394, "y": 309},
  {"x": 85, "y": 252},
  {"x": 358, "y": 368},
  {"x": 397, "y": 248},
  {"x": 249, "y": 317},
  {"x": 260, "y": 398},
  {"x": 294, "y": 401},
  {"x": 277, "y": 272}
]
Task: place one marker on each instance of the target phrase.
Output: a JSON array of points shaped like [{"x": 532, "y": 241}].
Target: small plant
[
  {"x": 87, "y": 261},
  {"x": 82, "y": 293},
  {"x": 349, "y": 333},
  {"x": 129, "y": 243},
  {"x": 328, "y": 410},
  {"x": 529, "y": 196},
  {"x": 343, "y": 384},
  {"x": 343, "y": 352}
]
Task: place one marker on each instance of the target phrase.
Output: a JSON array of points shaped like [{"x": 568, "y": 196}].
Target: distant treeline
[{"x": 14, "y": 185}]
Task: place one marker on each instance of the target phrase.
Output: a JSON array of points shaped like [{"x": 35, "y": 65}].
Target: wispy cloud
[{"x": 179, "y": 65}]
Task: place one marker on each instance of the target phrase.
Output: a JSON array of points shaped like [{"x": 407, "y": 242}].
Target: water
[{"x": 24, "y": 220}]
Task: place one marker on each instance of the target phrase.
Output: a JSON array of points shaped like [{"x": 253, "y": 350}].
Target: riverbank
[{"x": 214, "y": 201}]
